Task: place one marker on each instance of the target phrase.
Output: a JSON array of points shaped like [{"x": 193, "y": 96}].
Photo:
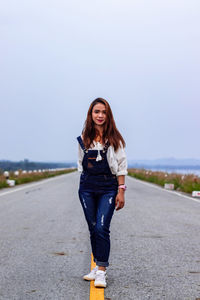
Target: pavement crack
[
  {"x": 59, "y": 253},
  {"x": 31, "y": 191}
]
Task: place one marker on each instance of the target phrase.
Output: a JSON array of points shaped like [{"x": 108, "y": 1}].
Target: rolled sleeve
[{"x": 122, "y": 161}]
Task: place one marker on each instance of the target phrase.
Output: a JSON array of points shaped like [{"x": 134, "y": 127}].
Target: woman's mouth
[{"x": 100, "y": 121}]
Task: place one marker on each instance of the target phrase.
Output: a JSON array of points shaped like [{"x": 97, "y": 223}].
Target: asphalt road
[{"x": 45, "y": 250}]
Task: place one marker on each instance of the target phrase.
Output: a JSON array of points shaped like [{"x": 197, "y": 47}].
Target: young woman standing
[{"x": 103, "y": 166}]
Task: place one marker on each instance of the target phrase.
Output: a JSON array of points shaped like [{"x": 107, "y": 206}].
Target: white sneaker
[
  {"x": 100, "y": 279},
  {"x": 91, "y": 275}
]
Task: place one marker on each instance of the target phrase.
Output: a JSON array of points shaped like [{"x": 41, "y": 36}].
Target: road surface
[{"x": 45, "y": 250}]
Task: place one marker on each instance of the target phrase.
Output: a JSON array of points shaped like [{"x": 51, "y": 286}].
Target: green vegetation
[
  {"x": 185, "y": 183},
  {"x": 34, "y": 176},
  {"x": 3, "y": 183}
]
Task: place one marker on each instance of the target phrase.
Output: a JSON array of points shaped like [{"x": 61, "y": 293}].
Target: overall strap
[{"x": 81, "y": 143}]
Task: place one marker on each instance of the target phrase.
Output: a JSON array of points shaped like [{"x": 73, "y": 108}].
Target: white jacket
[{"x": 116, "y": 159}]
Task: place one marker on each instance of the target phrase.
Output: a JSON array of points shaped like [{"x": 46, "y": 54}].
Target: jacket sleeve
[
  {"x": 80, "y": 158},
  {"x": 122, "y": 161}
]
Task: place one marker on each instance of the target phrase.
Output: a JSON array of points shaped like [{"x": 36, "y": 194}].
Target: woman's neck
[
  {"x": 99, "y": 130},
  {"x": 99, "y": 134}
]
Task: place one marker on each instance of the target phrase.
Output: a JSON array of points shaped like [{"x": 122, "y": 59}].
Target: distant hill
[{"x": 166, "y": 162}]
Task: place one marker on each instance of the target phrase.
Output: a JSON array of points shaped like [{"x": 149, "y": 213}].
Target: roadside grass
[
  {"x": 30, "y": 177},
  {"x": 182, "y": 182},
  {"x": 3, "y": 183}
]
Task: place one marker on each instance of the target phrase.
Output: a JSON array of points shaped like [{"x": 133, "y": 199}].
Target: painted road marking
[
  {"x": 95, "y": 293},
  {"x": 162, "y": 189}
]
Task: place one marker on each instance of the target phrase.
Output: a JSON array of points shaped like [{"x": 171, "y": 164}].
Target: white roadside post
[
  {"x": 9, "y": 182},
  {"x": 169, "y": 186},
  {"x": 196, "y": 194}
]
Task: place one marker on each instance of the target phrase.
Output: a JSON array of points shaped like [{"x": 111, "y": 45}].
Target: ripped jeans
[{"x": 98, "y": 208}]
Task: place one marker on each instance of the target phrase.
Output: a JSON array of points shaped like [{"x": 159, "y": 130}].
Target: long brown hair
[{"x": 110, "y": 132}]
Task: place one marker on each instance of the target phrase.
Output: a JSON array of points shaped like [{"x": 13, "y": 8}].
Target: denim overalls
[{"x": 97, "y": 192}]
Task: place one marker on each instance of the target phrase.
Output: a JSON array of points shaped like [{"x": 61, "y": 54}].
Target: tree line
[{"x": 31, "y": 165}]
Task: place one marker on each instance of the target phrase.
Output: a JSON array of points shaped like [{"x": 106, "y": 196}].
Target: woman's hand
[{"x": 119, "y": 200}]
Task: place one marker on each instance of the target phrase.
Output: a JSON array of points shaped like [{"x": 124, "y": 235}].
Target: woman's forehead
[{"x": 99, "y": 106}]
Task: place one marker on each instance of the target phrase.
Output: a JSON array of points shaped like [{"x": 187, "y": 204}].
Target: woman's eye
[{"x": 98, "y": 111}]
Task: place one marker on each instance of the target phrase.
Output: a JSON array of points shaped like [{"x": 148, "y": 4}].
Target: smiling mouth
[{"x": 100, "y": 120}]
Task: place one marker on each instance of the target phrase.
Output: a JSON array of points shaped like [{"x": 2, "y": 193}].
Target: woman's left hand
[{"x": 119, "y": 200}]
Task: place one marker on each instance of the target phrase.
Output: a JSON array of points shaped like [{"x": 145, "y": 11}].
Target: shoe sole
[
  {"x": 100, "y": 285},
  {"x": 88, "y": 278}
]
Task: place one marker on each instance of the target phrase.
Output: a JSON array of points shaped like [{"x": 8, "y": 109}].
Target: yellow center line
[{"x": 95, "y": 293}]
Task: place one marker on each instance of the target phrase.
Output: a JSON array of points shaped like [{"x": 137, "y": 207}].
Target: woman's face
[{"x": 99, "y": 114}]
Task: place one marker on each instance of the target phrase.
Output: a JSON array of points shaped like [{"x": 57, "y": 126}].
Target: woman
[{"x": 103, "y": 166}]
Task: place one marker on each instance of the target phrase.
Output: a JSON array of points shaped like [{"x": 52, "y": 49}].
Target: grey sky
[{"x": 57, "y": 56}]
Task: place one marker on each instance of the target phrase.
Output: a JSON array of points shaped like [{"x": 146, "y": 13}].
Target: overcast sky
[{"x": 57, "y": 56}]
